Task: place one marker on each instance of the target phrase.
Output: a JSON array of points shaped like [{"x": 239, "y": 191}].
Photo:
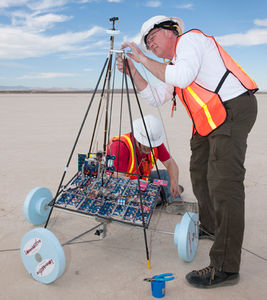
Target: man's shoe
[
  {"x": 205, "y": 235},
  {"x": 181, "y": 207},
  {"x": 210, "y": 277}
]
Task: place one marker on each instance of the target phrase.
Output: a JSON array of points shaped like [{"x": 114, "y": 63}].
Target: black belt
[{"x": 247, "y": 93}]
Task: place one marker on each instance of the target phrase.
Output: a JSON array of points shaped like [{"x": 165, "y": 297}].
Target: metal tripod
[{"x": 109, "y": 69}]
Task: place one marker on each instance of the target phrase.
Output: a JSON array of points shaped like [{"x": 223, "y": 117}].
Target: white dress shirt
[{"x": 197, "y": 59}]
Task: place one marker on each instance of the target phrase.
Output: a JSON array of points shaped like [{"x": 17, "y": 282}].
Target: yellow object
[{"x": 148, "y": 264}]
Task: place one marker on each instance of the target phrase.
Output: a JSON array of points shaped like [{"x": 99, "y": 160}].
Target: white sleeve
[
  {"x": 186, "y": 67},
  {"x": 158, "y": 94}
]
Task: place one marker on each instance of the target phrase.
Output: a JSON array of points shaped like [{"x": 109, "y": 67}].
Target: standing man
[
  {"x": 123, "y": 148},
  {"x": 219, "y": 97}
]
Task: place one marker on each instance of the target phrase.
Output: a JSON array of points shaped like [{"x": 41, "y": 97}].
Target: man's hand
[
  {"x": 139, "y": 81},
  {"x": 137, "y": 55},
  {"x": 175, "y": 189},
  {"x": 156, "y": 68},
  {"x": 173, "y": 171},
  {"x": 120, "y": 66}
]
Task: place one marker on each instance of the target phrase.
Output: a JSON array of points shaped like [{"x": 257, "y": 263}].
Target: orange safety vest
[
  {"x": 146, "y": 166},
  {"x": 205, "y": 107}
]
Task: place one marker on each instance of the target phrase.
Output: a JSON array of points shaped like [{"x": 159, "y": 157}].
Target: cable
[
  {"x": 257, "y": 255},
  {"x": 158, "y": 104},
  {"x": 97, "y": 129},
  {"x": 81, "y": 242},
  {"x": 9, "y": 250},
  {"x": 161, "y": 118},
  {"x": 69, "y": 243}
]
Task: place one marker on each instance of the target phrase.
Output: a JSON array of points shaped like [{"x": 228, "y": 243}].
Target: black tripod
[{"x": 108, "y": 91}]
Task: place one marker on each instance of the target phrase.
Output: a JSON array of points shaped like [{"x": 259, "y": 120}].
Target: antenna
[{"x": 113, "y": 31}]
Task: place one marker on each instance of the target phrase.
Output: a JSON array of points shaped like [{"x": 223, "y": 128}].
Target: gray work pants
[{"x": 217, "y": 174}]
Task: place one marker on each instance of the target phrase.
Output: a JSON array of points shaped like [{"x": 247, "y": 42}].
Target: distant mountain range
[
  {"x": 25, "y": 89},
  {"x": 16, "y": 87}
]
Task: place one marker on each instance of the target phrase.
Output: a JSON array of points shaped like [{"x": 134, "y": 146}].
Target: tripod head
[
  {"x": 113, "y": 31},
  {"x": 113, "y": 20}
]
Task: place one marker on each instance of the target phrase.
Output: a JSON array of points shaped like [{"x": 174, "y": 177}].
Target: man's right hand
[
  {"x": 130, "y": 63},
  {"x": 139, "y": 81}
]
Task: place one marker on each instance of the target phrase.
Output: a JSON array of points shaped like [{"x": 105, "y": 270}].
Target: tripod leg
[
  {"x": 75, "y": 143},
  {"x": 99, "y": 106},
  {"x": 137, "y": 171},
  {"x": 163, "y": 194}
]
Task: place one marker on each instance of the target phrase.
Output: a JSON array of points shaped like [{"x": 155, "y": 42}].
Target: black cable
[
  {"x": 81, "y": 242},
  {"x": 9, "y": 250},
  {"x": 99, "y": 106},
  {"x": 121, "y": 107},
  {"x": 108, "y": 93},
  {"x": 111, "y": 102}
]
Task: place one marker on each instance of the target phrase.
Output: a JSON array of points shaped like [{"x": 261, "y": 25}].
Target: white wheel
[
  {"x": 36, "y": 209},
  {"x": 186, "y": 236},
  {"x": 42, "y": 255}
]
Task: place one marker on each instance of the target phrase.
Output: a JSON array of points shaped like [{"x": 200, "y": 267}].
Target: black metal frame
[{"x": 107, "y": 68}]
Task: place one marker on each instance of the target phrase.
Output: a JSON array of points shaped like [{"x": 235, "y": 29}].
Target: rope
[
  {"x": 161, "y": 118},
  {"x": 72, "y": 243}
]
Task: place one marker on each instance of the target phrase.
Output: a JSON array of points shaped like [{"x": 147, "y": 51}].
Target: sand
[{"x": 37, "y": 135}]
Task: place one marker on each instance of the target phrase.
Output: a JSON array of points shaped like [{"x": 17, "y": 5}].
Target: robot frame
[{"x": 97, "y": 190}]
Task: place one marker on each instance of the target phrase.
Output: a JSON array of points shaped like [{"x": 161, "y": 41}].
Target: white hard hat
[
  {"x": 154, "y": 129},
  {"x": 154, "y": 21}
]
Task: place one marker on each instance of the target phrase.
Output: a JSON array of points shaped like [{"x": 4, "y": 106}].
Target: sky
[{"x": 64, "y": 44}]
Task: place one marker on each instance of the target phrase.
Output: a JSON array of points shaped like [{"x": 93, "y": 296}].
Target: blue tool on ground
[
  {"x": 158, "y": 284},
  {"x": 161, "y": 277}
]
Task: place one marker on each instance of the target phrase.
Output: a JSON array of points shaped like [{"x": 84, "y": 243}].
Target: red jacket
[{"x": 145, "y": 166}]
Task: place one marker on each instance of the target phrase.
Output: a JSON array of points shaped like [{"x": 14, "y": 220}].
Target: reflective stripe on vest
[
  {"x": 205, "y": 107},
  {"x": 152, "y": 158},
  {"x": 126, "y": 138},
  {"x": 131, "y": 150}
]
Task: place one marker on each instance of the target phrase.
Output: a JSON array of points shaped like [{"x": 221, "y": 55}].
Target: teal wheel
[
  {"x": 42, "y": 255},
  {"x": 36, "y": 209}
]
